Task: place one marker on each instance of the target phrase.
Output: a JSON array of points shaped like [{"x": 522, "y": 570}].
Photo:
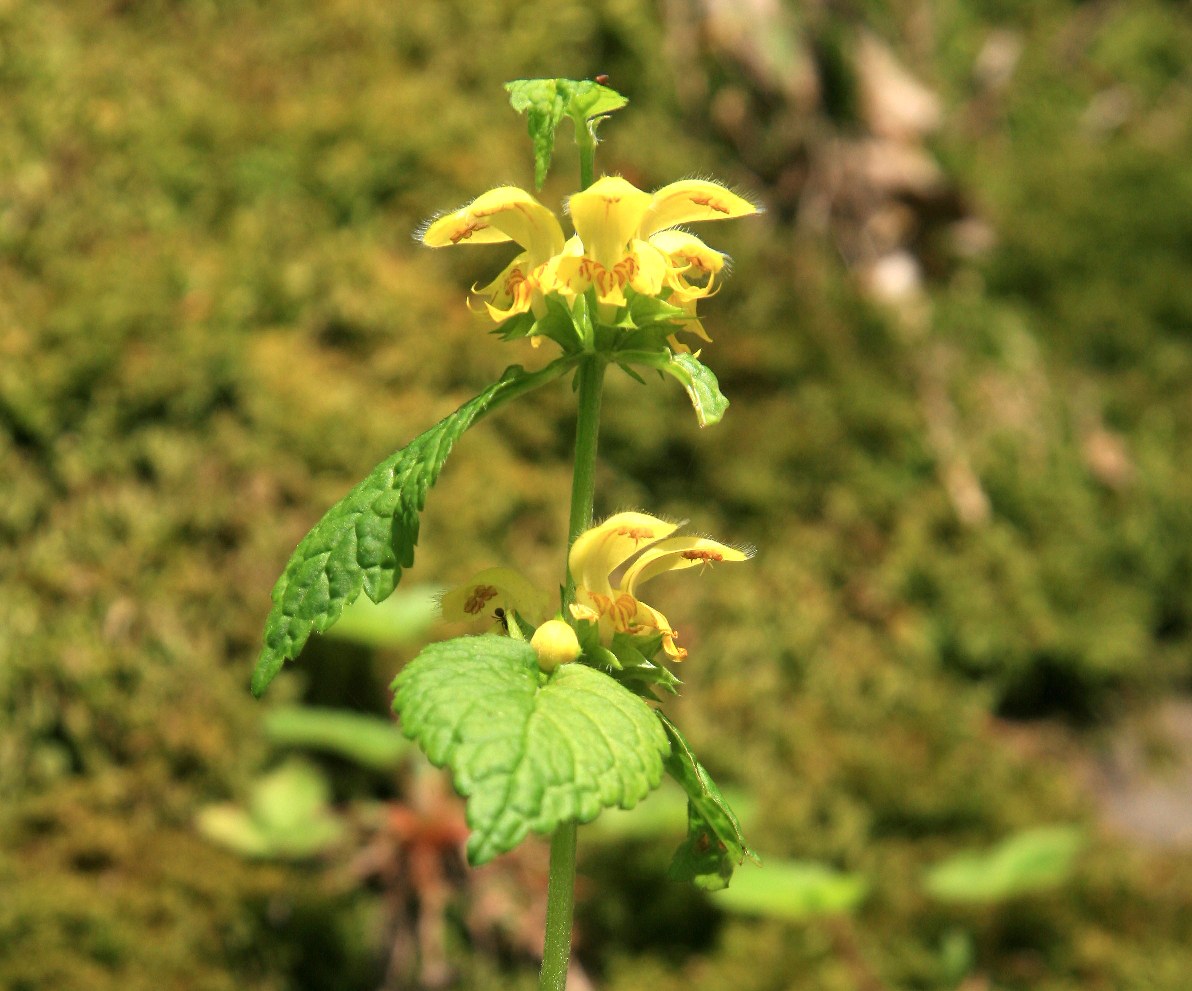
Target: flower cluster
[
  {"x": 626, "y": 241},
  {"x": 635, "y": 546}
]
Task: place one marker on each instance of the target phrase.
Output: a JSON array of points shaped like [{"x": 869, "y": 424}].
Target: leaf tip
[{"x": 266, "y": 670}]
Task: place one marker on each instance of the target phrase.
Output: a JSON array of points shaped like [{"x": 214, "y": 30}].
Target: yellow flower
[
  {"x": 495, "y": 592},
  {"x": 646, "y": 542},
  {"x": 617, "y": 244},
  {"x": 688, "y": 257},
  {"x": 504, "y": 214}
]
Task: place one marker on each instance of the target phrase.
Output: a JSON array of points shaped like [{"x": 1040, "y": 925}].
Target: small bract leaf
[
  {"x": 367, "y": 538},
  {"x": 545, "y": 102},
  {"x": 715, "y": 845},
  {"x": 702, "y": 388},
  {"x": 528, "y": 751}
]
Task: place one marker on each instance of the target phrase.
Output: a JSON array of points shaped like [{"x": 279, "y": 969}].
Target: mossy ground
[{"x": 213, "y": 320}]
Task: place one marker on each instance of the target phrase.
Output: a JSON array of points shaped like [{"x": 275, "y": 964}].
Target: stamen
[
  {"x": 475, "y": 602},
  {"x": 472, "y": 227},
  {"x": 710, "y": 203},
  {"x": 635, "y": 533},
  {"x": 706, "y": 557}
]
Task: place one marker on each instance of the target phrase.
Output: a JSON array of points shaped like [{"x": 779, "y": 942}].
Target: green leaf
[
  {"x": 528, "y": 751},
  {"x": 558, "y": 324},
  {"x": 793, "y": 889},
  {"x": 1033, "y": 860},
  {"x": 368, "y": 740},
  {"x": 545, "y": 102},
  {"x": 715, "y": 845},
  {"x": 367, "y": 538}
]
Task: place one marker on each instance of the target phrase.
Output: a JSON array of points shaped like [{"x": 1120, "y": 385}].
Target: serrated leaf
[
  {"x": 545, "y": 102},
  {"x": 367, "y": 538},
  {"x": 794, "y": 889},
  {"x": 715, "y": 845},
  {"x": 527, "y": 751},
  {"x": 1033, "y": 860}
]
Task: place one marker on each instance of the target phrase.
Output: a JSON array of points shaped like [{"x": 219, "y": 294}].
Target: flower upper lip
[{"x": 647, "y": 544}]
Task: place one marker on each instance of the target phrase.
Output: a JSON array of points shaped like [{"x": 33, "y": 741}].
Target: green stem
[
  {"x": 585, "y": 140},
  {"x": 590, "y": 381},
  {"x": 560, "y": 899},
  {"x": 560, "y": 888}
]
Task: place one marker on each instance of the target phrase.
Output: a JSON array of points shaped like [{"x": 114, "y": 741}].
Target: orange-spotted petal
[
  {"x": 598, "y": 552},
  {"x": 607, "y": 216},
  {"x": 506, "y": 213},
  {"x": 492, "y": 589},
  {"x": 676, "y": 554},
  {"x": 691, "y": 200}
]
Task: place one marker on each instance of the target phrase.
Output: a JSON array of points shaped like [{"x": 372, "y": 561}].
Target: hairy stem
[
  {"x": 560, "y": 889},
  {"x": 585, "y": 140}
]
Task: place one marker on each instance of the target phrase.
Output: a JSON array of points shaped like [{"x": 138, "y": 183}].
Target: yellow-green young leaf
[
  {"x": 529, "y": 751},
  {"x": 367, "y": 538},
  {"x": 545, "y": 102},
  {"x": 715, "y": 845}
]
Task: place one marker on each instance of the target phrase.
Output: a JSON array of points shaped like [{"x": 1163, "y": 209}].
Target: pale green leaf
[
  {"x": 702, "y": 388},
  {"x": 401, "y": 619},
  {"x": 367, "y": 740},
  {"x": 793, "y": 889},
  {"x": 1033, "y": 860},
  {"x": 287, "y": 816},
  {"x": 528, "y": 751}
]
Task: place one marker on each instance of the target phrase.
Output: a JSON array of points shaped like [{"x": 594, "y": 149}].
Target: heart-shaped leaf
[{"x": 529, "y": 751}]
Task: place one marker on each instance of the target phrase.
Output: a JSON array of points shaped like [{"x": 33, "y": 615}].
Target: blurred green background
[{"x": 959, "y": 350}]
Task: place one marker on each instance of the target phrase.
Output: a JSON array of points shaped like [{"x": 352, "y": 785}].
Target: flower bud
[{"x": 555, "y": 643}]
